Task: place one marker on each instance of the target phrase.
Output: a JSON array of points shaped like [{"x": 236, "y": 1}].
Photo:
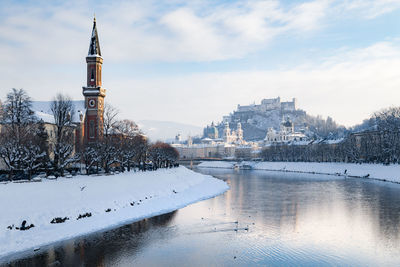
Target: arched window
[
  {"x": 91, "y": 129},
  {"x": 92, "y": 75}
]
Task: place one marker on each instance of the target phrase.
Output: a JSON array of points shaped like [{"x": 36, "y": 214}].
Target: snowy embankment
[
  {"x": 112, "y": 200},
  {"x": 389, "y": 173}
]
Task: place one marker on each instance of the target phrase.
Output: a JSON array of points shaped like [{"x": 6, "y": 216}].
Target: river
[{"x": 266, "y": 218}]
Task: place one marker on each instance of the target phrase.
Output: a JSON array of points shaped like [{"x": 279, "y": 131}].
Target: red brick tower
[{"x": 93, "y": 92}]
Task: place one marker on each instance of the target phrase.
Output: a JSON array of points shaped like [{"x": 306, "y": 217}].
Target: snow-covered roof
[
  {"x": 42, "y": 110},
  {"x": 333, "y": 141},
  {"x": 301, "y": 143}
]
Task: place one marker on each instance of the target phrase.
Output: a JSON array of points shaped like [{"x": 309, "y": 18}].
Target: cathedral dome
[
  {"x": 287, "y": 123},
  {"x": 213, "y": 130}
]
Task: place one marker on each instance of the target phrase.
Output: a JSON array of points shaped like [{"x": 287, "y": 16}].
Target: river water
[{"x": 266, "y": 218}]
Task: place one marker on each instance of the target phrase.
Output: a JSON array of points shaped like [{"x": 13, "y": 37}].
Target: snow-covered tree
[
  {"x": 62, "y": 110},
  {"x": 139, "y": 146},
  {"x": 108, "y": 146},
  {"x": 387, "y": 119},
  {"x": 90, "y": 156},
  {"x": 109, "y": 152},
  {"x": 18, "y": 116},
  {"x": 387, "y": 123},
  {"x": 128, "y": 130},
  {"x": 163, "y": 155},
  {"x": 18, "y": 128},
  {"x": 32, "y": 158},
  {"x": 11, "y": 153}
]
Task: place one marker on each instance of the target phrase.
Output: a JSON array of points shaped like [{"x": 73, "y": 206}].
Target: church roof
[
  {"x": 94, "y": 47},
  {"x": 287, "y": 123},
  {"x": 42, "y": 110},
  {"x": 213, "y": 130}
]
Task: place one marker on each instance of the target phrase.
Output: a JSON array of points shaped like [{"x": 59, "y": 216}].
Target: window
[
  {"x": 91, "y": 129},
  {"x": 92, "y": 76}
]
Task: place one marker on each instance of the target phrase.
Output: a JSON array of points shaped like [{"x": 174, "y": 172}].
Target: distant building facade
[
  {"x": 211, "y": 132},
  {"x": 285, "y": 134},
  {"x": 255, "y": 119},
  {"x": 231, "y": 136}
]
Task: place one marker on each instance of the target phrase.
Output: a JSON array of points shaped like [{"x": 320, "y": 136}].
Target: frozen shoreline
[
  {"x": 390, "y": 173},
  {"x": 129, "y": 196}
]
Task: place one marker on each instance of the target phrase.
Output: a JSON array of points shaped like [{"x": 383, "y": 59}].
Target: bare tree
[
  {"x": 62, "y": 109},
  {"x": 128, "y": 130},
  {"x": 127, "y": 127},
  {"x": 110, "y": 119},
  {"x": 140, "y": 147},
  {"x": 108, "y": 145}
]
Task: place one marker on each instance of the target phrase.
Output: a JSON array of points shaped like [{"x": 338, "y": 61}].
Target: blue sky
[{"x": 194, "y": 61}]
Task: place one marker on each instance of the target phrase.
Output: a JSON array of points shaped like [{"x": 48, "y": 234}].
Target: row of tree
[
  {"x": 379, "y": 142},
  {"x": 28, "y": 145}
]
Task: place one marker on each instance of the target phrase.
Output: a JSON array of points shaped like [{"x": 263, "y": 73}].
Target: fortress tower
[{"x": 93, "y": 92}]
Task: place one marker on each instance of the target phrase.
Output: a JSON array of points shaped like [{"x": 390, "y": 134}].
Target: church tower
[{"x": 93, "y": 92}]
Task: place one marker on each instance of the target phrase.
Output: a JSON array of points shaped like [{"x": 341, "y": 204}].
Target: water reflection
[
  {"x": 102, "y": 249},
  {"x": 266, "y": 218}
]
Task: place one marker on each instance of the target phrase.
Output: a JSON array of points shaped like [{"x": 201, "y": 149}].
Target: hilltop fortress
[
  {"x": 270, "y": 104},
  {"x": 248, "y": 129},
  {"x": 255, "y": 119}
]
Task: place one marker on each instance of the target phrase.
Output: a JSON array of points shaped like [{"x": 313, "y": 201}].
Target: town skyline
[
  {"x": 175, "y": 132},
  {"x": 242, "y": 52}
]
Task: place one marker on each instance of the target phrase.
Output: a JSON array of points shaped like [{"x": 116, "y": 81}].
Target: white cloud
[
  {"x": 157, "y": 31},
  {"x": 42, "y": 49},
  {"x": 348, "y": 87},
  {"x": 369, "y": 8},
  {"x": 141, "y": 31}
]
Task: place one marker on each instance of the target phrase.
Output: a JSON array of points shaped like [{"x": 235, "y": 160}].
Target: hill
[{"x": 256, "y": 119}]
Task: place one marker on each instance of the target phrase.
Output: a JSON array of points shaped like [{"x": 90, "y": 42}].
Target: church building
[
  {"x": 87, "y": 119},
  {"x": 93, "y": 92}
]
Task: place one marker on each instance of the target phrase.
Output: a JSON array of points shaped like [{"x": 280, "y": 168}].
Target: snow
[
  {"x": 92, "y": 91},
  {"x": 334, "y": 141},
  {"x": 217, "y": 164},
  {"x": 42, "y": 110},
  {"x": 40, "y": 202},
  {"x": 389, "y": 173},
  {"x": 45, "y": 117}
]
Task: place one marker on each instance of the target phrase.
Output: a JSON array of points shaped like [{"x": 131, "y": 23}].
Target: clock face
[{"x": 92, "y": 103}]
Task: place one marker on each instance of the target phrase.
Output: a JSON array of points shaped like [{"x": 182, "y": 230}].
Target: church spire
[{"x": 94, "y": 48}]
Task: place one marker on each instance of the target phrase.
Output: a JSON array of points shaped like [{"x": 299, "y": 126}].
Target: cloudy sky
[{"x": 194, "y": 61}]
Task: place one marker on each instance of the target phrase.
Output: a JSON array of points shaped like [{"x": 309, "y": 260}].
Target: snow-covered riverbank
[
  {"x": 389, "y": 173},
  {"x": 112, "y": 200}
]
